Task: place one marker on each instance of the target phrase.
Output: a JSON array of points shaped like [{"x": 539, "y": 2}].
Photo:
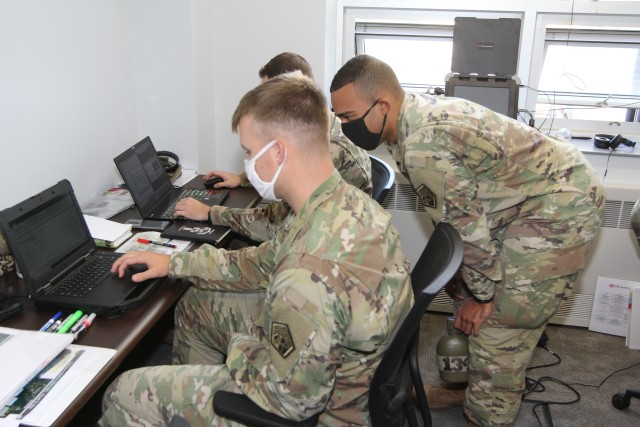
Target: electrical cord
[
  {"x": 607, "y": 377},
  {"x": 537, "y": 386}
]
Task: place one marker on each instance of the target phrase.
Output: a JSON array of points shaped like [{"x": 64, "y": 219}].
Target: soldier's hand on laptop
[
  {"x": 157, "y": 265},
  {"x": 192, "y": 209},
  {"x": 230, "y": 180}
]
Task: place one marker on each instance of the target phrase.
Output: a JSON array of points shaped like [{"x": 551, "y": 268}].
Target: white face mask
[{"x": 265, "y": 189}]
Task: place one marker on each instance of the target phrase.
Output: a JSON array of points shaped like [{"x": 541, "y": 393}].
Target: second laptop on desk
[{"x": 150, "y": 185}]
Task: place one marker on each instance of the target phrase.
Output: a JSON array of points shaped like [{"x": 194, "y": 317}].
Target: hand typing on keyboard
[{"x": 192, "y": 209}]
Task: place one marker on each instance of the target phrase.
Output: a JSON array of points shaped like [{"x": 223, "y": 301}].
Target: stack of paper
[
  {"x": 616, "y": 309},
  {"x": 23, "y": 355},
  {"x": 106, "y": 233},
  {"x": 110, "y": 203},
  {"x": 45, "y": 389}
]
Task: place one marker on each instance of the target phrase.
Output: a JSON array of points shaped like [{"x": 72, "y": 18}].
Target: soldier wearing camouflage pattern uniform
[
  {"x": 527, "y": 208},
  {"x": 261, "y": 223},
  {"x": 322, "y": 300}
]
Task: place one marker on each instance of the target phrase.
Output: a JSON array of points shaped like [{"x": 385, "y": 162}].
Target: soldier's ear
[{"x": 384, "y": 104}]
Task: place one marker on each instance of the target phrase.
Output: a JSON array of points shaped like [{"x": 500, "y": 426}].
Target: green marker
[{"x": 70, "y": 322}]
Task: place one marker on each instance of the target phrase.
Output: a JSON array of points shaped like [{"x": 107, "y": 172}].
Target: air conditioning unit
[{"x": 615, "y": 253}]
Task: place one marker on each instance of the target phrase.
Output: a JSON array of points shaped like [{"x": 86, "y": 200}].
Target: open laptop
[
  {"x": 59, "y": 261},
  {"x": 485, "y": 46},
  {"x": 151, "y": 187}
]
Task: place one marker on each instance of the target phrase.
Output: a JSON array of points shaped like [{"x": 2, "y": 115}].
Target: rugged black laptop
[
  {"x": 59, "y": 261},
  {"x": 485, "y": 46},
  {"x": 150, "y": 185}
]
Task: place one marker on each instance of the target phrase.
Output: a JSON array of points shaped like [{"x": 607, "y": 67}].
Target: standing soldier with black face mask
[{"x": 527, "y": 208}]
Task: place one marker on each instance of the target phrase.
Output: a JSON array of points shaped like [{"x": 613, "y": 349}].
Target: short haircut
[
  {"x": 285, "y": 62},
  {"x": 369, "y": 75},
  {"x": 290, "y": 104}
]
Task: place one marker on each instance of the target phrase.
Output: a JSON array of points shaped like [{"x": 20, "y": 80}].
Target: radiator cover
[{"x": 615, "y": 253}]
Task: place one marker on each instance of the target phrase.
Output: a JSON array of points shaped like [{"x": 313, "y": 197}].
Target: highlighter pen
[
  {"x": 84, "y": 326},
  {"x": 78, "y": 323},
  {"x": 69, "y": 322},
  {"x": 58, "y": 323},
  {"x": 151, "y": 242},
  {"x": 51, "y": 321}
]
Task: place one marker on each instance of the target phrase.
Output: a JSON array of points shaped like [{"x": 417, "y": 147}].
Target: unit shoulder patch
[
  {"x": 281, "y": 339},
  {"x": 427, "y": 197}
]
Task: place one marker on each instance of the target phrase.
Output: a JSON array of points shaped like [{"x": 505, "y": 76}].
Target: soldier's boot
[{"x": 441, "y": 398}]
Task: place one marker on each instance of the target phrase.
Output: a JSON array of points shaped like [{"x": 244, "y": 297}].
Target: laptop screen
[
  {"x": 47, "y": 233},
  {"x": 143, "y": 174}
]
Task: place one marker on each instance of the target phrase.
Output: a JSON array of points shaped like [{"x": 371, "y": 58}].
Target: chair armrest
[{"x": 240, "y": 408}]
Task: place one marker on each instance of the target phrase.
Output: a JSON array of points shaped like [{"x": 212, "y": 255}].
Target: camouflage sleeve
[
  {"x": 292, "y": 371},
  {"x": 259, "y": 223},
  {"x": 351, "y": 161},
  {"x": 209, "y": 267},
  {"x": 244, "y": 181},
  {"x": 448, "y": 191}
]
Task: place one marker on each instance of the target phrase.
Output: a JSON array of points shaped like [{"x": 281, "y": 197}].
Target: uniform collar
[{"x": 325, "y": 190}]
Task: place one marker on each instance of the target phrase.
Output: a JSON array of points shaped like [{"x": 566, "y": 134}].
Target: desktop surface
[{"x": 123, "y": 333}]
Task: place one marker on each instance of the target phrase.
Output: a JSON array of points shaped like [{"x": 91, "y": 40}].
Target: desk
[{"x": 125, "y": 332}]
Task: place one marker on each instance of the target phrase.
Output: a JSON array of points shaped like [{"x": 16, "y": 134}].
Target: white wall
[
  {"x": 246, "y": 34},
  {"x": 66, "y": 94},
  {"x": 82, "y": 81}
]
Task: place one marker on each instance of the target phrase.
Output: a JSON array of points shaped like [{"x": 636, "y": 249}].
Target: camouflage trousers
[
  {"x": 204, "y": 322},
  {"x": 499, "y": 355}
]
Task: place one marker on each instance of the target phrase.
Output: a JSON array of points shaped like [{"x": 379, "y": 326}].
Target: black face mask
[{"x": 358, "y": 133}]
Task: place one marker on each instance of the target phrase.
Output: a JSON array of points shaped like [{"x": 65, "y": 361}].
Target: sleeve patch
[
  {"x": 427, "y": 197},
  {"x": 281, "y": 339}
]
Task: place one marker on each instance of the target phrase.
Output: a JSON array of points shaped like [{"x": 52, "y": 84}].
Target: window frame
[
  {"x": 557, "y": 22},
  {"x": 534, "y": 15}
]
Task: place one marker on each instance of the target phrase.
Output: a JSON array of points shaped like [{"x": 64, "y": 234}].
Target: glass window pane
[
  {"x": 573, "y": 68},
  {"x": 579, "y": 112},
  {"x": 418, "y": 62}
]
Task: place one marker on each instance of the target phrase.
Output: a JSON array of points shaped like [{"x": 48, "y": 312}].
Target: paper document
[
  {"x": 109, "y": 203},
  {"x": 45, "y": 398},
  {"x": 133, "y": 245},
  {"x": 610, "y": 306},
  {"x": 105, "y": 229},
  {"x": 23, "y": 354}
]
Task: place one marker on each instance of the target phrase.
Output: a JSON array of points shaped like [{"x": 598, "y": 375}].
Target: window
[
  {"x": 420, "y": 55},
  {"x": 590, "y": 73}
]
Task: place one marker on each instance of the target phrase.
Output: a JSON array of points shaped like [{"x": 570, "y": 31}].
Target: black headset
[
  {"x": 169, "y": 161},
  {"x": 605, "y": 141}
]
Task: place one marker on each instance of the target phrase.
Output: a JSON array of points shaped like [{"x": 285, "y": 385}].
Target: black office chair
[
  {"x": 382, "y": 177},
  {"x": 623, "y": 400},
  {"x": 390, "y": 398}
]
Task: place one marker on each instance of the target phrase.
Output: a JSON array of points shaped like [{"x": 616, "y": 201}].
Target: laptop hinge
[{"x": 44, "y": 289}]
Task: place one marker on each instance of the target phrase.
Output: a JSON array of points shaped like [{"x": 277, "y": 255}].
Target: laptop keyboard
[
  {"x": 85, "y": 279},
  {"x": 210, "y": 197}
]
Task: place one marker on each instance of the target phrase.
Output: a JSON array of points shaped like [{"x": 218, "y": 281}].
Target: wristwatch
[{"x": 480, "y": 301}]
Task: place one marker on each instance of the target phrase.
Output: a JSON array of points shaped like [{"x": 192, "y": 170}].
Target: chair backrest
[
  {"x": 390, "y": 401},
  {"x": 382, "y": 177}
]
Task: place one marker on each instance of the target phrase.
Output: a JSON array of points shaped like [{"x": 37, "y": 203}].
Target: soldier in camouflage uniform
[
  {"x": 260, "y": 224},
  {"x": 527, "y": 208},
  {"x": 336, "y": 287}
]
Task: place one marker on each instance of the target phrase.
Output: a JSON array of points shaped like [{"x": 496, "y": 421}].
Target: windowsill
[{"x": 586, "y": 147}]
